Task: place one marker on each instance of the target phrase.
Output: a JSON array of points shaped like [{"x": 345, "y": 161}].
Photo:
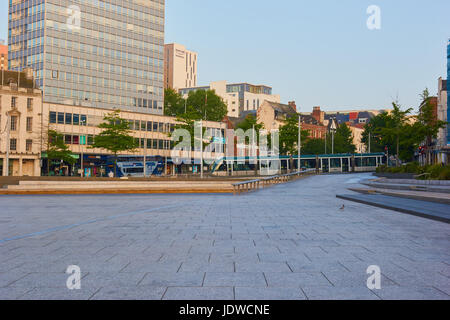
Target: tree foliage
[
  {"x": 343, "y": 140},
  {"x": 115, "y": 136},
  {"x": 57, "y": 149},
  {"x": 199, "y": 105},
  {"x": 289, "y": 136},
  {"x": 399, "y": 133}
]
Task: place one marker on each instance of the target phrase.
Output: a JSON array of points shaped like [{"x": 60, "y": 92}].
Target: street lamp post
[
  {"x": 333, "y": 132},
  {"x": 201, "y": 149},
  {"x": 299, "y": 147},
  {"x": 8, "y": 128},
  {"x": 83, "y": 141}
]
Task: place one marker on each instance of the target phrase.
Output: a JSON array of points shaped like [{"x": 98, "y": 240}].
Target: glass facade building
[{"x": 106, "y": 54}]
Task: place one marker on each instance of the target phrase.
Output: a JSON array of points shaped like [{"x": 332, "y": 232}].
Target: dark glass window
[
  {"x": 52, "y": 117},
  {"x": 149, "y": 126},
  {"x": 60, "y": 118},
  {"x": 76, "y": 119},
  {"x": 83, "y": 120},
  {"x": 68, "y": 118}
]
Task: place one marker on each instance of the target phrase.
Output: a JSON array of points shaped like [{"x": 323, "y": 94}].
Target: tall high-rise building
[
  {"x": 180, "y": 67},
  {"x": 103, "y": 53},
  {"x": 3, "y": 56}
]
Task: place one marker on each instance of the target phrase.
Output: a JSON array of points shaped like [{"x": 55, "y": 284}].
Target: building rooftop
[{"x": 21, "y": 79}]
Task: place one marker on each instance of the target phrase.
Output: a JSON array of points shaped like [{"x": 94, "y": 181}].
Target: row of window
[
  {"x": 117, "y": 40},
  {"x": 132, "y": 14},
  {"x": 157, "y": 144},
  {"x": 14, "y": 123},
  {"x": 68, "y": 118},
  {"x": 126, "y": 57},
  {"x": 104, "y": 68},
  {"x": 135, "y": 125},
  {"x": 105, "y": 22},
  {"x": 82, "y": 95},
  {"x": 13, "y": 145},
  {"x": 14, "y": 101}
]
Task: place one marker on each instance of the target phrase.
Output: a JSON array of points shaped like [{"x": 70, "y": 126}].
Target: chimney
[
  {"x": 292, "y": 104},
  {"x": 318, "y": 114}
]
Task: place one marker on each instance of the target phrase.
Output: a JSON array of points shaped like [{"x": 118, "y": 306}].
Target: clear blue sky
[{"x": 314, "y": 52}]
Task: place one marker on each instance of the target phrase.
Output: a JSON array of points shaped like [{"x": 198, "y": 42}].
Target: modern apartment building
[
  {"x": 239, "y": 97},
  {"x": 3, "y": 55},
  {"x": 180, "y": 67},
  {"x": 104, "y": 53}
]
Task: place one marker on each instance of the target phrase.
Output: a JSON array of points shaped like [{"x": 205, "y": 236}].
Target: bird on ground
[{"x": 343, "y": 207}]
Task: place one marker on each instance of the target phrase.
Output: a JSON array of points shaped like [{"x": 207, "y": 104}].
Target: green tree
[
  {"x": 57, "y": 149},
  {"x": 115, "y": 136},
  {"x": 394, "y": 131},
  {"x": 429, "y": 124},
  {"x": 343, "y": 140},
  {"x": 174, "y": 104},
  {"x": 395, "y": 127},
  {"x": 251, "y": 122},
  {"x": 314, "y": 147},
  {"x": 289, "y": 136},
  {"x": 207, "y": 105}
]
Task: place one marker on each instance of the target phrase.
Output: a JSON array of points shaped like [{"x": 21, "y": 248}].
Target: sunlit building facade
[{"x": 106, "y": 54}]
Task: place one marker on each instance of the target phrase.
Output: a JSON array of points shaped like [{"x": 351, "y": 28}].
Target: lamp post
[
  {"x": 201, "y": 149},
  {"x": 333, "y": 129},
  {"x": 8, "y": 128},
  {"x": 299, "y": 147},
  {"x": 83, "y": 141}
]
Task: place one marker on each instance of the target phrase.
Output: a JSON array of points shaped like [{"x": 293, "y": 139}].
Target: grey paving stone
[
  {"x": 411, "y": 293},
  {"x": 354, "y": 279},
  {"x": 58, "y": 294},
  {"x": 296, "y": 280},
  {"x": 220, "y": 234},
  {"x": 184, "y": 279},
  {"x": 203, "y": 293},
  {"x": 13, "y": 293},
  {"x": 264, "y": 294},
  {"x": 262, "y": 267},
  {"x": 202, "y": 267},
  {"x": 110, "y": 279},
  {"x": 129, "y": 293},
  {"x": 241, "y": 279},
  {"x": 339, "y": 293}
]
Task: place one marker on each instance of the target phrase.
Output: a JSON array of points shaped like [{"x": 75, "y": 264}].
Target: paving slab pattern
[{"x": 290, "y": 241}]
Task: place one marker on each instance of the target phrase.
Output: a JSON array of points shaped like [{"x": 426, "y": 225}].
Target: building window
[
  {"x": 52, "y": 117},
  {"x": 13, "y": 102},
  {"x": 13, "y": 123},
  {"x": 68, "y": 139},
  {"x": 68, "y": 118},
  {"x": 13, "y": 144},
  {"x": 60, "y": 118},
  {"x": 83, "y": 120},
  {"x": 30, "y": 104},
  {"x": 29, "y": 145},
  {"x": 29, "y": 124}
]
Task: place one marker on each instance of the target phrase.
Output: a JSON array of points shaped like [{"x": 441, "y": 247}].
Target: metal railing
[{"x": 254, "y": 185}]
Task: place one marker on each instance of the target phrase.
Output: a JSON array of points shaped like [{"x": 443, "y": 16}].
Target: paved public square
[{"x": 290, "y": 241}]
